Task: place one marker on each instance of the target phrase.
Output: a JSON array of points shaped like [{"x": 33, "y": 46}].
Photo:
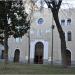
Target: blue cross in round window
[{"x": 40, "y": 20}]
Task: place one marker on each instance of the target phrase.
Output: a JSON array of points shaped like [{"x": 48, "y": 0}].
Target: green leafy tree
[{"x": 13, "y": 21}]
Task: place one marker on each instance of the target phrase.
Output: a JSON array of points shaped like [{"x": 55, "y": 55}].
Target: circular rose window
[{"x": 40, "y": 20}]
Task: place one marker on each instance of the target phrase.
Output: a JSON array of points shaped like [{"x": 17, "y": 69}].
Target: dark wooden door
[
  {"x": 68, "y": 57},
  {"x": 38, "y": 56},
  {"x": 16, "y": 55}
]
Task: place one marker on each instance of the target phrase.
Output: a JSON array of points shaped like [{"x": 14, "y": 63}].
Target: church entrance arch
[
  {"x": 38, "y": 56},
  {"x": 16, "y": 55}
]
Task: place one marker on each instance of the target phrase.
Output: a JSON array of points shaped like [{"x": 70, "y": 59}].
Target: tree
[
  {"x": 54, "y": 5},
  {"x": 13, "y": 12},
  {"x": 1, "y": 39}
]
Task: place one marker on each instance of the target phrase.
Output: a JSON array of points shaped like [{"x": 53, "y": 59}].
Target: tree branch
[
  {"x": 59, "y": 4},
  {"x": 48, "y": 4},
  {"x": 53, "y": 3}
]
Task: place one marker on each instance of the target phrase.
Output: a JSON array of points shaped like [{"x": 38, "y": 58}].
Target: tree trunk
[
  {"x": 61, "y": 35},
  {"x": 5, "y": 47},
  {"x": 6, "y": 40},
  {"x": 5, "y": 32}
]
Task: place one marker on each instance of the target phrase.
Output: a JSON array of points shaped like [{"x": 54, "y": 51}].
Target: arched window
[
  {"x": 2, "y": 54},
  {"x": 68, "y": 57},
  {"x": 69, "y": 21},
  {"x": 63, "y": 22}
]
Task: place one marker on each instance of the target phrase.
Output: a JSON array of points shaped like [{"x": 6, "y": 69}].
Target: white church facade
[{"x": 43, "y": 45}]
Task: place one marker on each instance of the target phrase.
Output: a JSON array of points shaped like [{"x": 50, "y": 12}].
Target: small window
[
  {"x": 69, "y": 36},
  {"x": 69, "y": 22},
  {"x": 63, "y": 22}
]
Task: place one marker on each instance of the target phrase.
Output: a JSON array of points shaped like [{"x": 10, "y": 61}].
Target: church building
[{"x": 41, "y": 45}]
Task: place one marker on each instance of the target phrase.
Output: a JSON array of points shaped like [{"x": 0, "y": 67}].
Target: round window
[{"x": 40, "y": 20}]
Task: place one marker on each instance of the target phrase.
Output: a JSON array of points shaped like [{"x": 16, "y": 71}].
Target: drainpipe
[
  {"x": 29, "y": 47},
  {"x": 52, "y": 46}
]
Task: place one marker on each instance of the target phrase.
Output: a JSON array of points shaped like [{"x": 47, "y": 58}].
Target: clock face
[{"x": 40, "y": 21}]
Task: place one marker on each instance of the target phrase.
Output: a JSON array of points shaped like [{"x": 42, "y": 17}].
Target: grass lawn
[{"x": 34, "y": 69}]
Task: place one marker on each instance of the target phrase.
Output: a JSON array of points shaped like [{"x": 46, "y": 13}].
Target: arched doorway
[
  {"x": 68, "y": 58},
  {"x": 38, "y": 56},
  {"x": 16, "y": 55}
]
